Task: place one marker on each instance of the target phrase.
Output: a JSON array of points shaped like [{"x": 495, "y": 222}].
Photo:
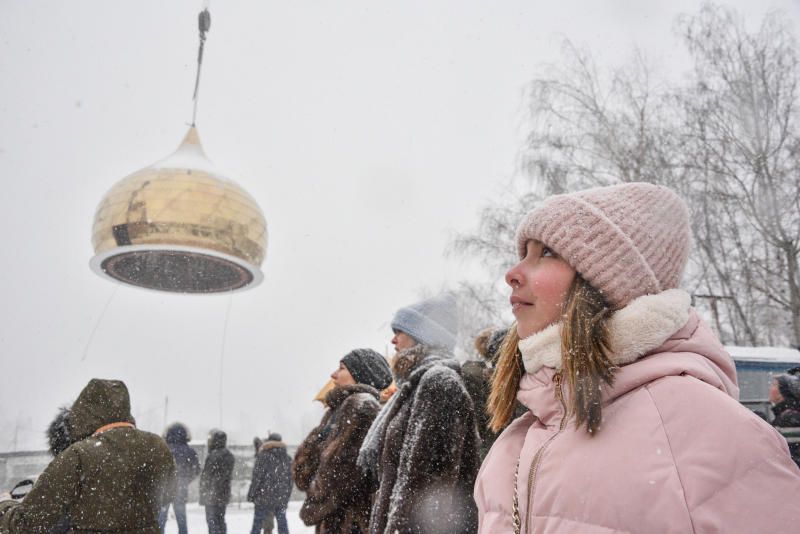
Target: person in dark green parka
[{"x": 114, "y": 479}]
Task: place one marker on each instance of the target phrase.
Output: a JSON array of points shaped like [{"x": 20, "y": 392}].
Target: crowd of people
[{"x": 607, "y": 406}]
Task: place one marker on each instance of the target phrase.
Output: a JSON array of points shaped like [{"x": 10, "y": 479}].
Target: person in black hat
[
  {"x": 423, "y": 449},
  {"x": 338, "y": 494},
  {"x": 365, "y": 366}
]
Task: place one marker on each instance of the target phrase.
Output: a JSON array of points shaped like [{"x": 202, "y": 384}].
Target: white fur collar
[
  {"x": 641, "y": 326},
  {"x": 542, "y": 349}
]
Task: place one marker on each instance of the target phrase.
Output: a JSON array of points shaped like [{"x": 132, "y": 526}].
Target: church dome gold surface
[{"x": 181, "y": 226}]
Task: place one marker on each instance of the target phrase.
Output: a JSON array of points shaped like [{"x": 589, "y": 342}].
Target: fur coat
[
  {"x": 423, "y": 449},
  {"x": 338, "y": 494}
]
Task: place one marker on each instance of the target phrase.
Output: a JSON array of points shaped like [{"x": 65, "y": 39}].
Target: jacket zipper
[{"x": 537, "y": 458}]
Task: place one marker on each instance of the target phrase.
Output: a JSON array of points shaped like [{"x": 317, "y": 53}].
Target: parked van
[{"x": 755, "y": 367}]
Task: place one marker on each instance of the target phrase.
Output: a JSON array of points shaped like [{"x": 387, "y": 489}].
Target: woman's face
[
  {"x": 402, "y": 341},
  {"x": 539, "y": 285},
  {"x": 342, "y": 376}
]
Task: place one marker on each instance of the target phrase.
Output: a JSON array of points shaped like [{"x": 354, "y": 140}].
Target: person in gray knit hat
[
  {"x": 432, "y": 322},
  {"x": 422, "y": 450}
]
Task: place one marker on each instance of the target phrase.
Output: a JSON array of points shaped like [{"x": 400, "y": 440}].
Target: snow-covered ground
[{"x": 239, "y": 519}]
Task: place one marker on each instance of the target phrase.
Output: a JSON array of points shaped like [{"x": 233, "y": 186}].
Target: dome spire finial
[{"x": 203, "y": 24}]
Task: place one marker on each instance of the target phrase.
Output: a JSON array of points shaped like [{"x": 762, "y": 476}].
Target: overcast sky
[{"x": 369, "y": 132}]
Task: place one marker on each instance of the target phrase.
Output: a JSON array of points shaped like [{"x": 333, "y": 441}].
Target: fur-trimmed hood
[
  {"x": 177, "y": 434},
  {"x": 59, "y": 437},
  {"x": 269, "y": 445}
]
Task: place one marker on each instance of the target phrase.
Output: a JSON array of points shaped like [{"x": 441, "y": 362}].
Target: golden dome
[{"x": 179, "y": 225}]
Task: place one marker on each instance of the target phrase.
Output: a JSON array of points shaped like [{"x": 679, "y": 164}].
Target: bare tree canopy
[{"x": 726, "y": 137}]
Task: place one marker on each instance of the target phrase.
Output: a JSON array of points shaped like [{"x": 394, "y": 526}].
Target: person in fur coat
[
  {"x": 423, "y": 448},
  {"x": 633, "y": 422},
  {"x": 338, "y": 494}
]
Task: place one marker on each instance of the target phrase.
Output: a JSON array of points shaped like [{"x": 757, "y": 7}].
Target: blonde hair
[
  {"x": 584, "y": 350},
  {"x": 505, "y": 382},
  {"x": 584, "y": 347}
]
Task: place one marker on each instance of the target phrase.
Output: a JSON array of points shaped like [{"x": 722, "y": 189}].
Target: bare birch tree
[
  {"x": 727, "y": 141},
  {"x": 741, "y": 126}
]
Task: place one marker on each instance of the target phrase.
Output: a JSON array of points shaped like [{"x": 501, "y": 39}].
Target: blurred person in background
[
  {"x": 784, "y": 396},
  {"x": 59, "y": 439},
  {"x": 215, "y": 481},
  {"x": 271, "y": 485},
  {"x": 187, "y": 468},
  {"x": 269, "y": 520},
  {"x": 477, "y": 375}
]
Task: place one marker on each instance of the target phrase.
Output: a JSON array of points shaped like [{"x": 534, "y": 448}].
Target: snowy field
[{"x": 239, "y": 520}]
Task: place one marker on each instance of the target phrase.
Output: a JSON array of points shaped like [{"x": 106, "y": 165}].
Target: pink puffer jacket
[{"x": 675, "y": 453}]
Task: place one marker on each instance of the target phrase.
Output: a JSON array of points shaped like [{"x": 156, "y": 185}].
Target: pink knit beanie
[{"x": 626, "y": 240}]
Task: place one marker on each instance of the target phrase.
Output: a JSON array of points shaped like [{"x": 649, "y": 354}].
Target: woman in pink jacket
[{"x": 634, "y": 424}]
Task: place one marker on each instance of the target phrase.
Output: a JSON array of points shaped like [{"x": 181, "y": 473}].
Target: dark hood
[
  {"x": 100, "y": 403},
  {"x": 217, "y": 439},
  {"x": 177, "y": 434}
]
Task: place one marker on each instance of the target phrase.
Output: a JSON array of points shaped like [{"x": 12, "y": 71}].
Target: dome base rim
[{"x": 172, "y": 269}]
